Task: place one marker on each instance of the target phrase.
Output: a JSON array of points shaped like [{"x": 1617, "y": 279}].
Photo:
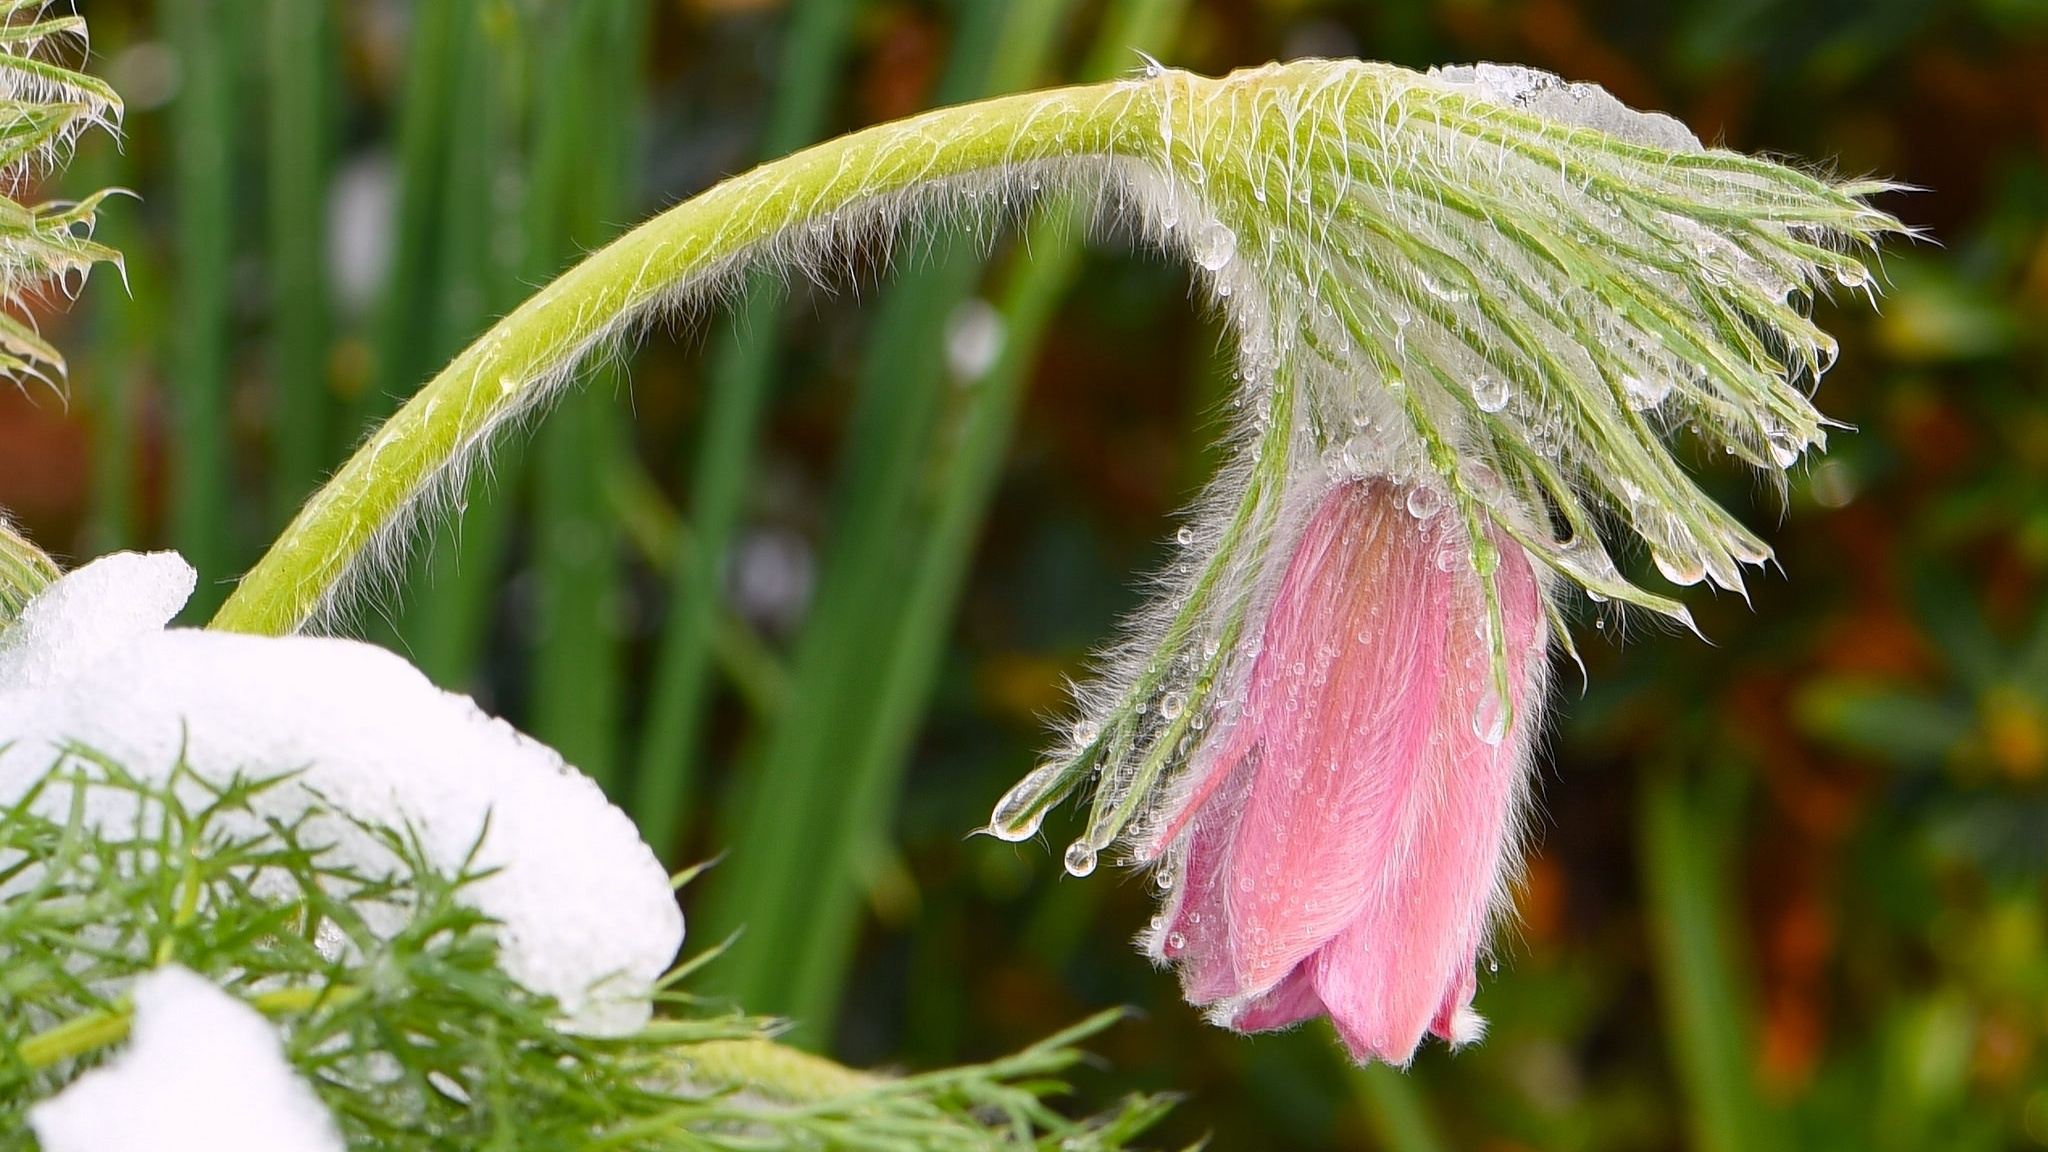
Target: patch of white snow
[
  {"x": 1584, "y": 105},
  {"x": 202, "y": 1072},
  {"x": 92, "y": 611}
]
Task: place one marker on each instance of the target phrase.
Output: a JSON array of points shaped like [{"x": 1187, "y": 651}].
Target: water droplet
[
  {"x": 1015, "y": 818},
  {"x": 1852, "y": 275},
  {"x": 1186, "y": 536},
  {"x": 1080, "y": 858},
  {"x": 1424, "y": 501},
  {"x": 1645, "y": 391},
  {"x": 1490, "y": 718},
  {"x": 1175, "y": 942},
  {"x": 1785, "y": 448},
  {"x": 1679, "y": 569},
  {"x": 1213, "y": 246},
  {"x": 1085, "y": 732},
  {"x": 1489, "y": 392}
]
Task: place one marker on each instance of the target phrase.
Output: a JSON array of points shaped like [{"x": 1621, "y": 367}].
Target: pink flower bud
[{"x": 1350, "y": 832}]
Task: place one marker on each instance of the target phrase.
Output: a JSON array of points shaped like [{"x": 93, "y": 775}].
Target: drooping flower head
[{"x": 1472, "y": 308}]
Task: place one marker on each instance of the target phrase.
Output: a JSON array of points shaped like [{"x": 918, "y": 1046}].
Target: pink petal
[
  {"x": 1404, "y": 967},
  {"x": 1196, "y": 935},
  {"x": 1343, "y": 694},
  {"x": 1290, "y": 1002}
]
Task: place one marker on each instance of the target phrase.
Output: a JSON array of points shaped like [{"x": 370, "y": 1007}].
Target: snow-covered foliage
[{"x": 586, "y": 912}]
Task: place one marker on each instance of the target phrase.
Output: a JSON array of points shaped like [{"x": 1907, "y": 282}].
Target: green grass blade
[
  {"x": 973, "y": 444},
  {"x": 120, "y": 329},
  {"x": 743, "y": 364},
  {"x": 1706, "y": 1013},
  {"x": 433, "y": 85},
  {"x": 203, "y": 123},
  {"x": 829, "y": 781},
  {"x": 301, "y": 48},
  {"x": 445, "y": 621},
  {"x": 582, "y": 181},
  {"x": 1395, "y": 1110}
]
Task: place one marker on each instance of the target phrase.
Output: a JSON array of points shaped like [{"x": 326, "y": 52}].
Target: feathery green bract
[
  {"x": 392, "y": 1004},
  {"x": 44, "y": 107}
]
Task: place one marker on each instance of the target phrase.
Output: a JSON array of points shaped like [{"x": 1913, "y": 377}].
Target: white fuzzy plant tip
[
  {"x": 45, "y": 106},
  {"x": 1506, "y": 292}
]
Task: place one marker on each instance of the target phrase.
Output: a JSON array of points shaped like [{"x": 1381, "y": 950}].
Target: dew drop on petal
[
  {"x": 1490, "y": 718},
  {"x": 1176, "y": 942},
  {"x": 1080, "y": 858},
  {"x": 1172, "y": 705},
  {"x": 1186, "y": 536},
  {"x": 1784, "y": 448}
]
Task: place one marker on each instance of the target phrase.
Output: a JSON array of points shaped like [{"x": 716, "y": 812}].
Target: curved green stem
[{"x": 692, "y": 248}]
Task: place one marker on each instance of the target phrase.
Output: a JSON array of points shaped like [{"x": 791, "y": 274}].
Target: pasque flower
[
  {"x": 1472, "y": 308},
  {"x": 1352, "y": 819}
]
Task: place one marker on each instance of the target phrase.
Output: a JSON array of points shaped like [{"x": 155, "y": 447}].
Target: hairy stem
[{"x": 686, "y": 249}]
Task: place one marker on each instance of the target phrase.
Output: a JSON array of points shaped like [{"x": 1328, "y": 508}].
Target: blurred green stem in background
[
  {"x": 582, "y": 172},
  {"x": 1395, "y": 1109},
  {"x": 922, "y": 461},
  {"x": 743, "y": 364},
  {"x": 469, "y": 281},
  {"x": 301, "y": 53},
  {"x": 204, "y": 129},
  {"x": 795, "y": 812},
  {"x": 434, "y": 85},
  {"x": 122, "y": 327},
  {"x": 663, "y": 541},
  {"x": 1683, "y": 834}
]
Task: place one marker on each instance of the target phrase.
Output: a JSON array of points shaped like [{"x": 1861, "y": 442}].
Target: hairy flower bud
[{"x": 1351, "y": 824}]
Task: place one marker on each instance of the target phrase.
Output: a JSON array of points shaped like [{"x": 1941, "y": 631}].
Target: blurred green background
[{"x": 801, "y": 587}]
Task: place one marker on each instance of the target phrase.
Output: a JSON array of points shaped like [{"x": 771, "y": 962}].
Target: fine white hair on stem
[{"x": 971, "y": 208}]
